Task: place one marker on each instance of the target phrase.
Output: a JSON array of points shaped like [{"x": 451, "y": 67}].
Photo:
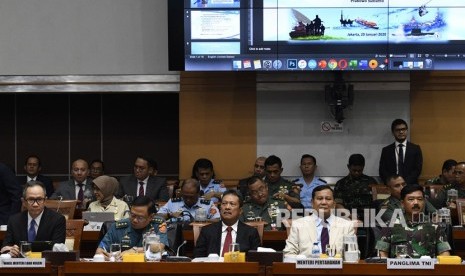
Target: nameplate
[
  {"x": 314, "y": 263},
  {"x": 93, "y": 226},
  {"x": 22, "y": 262},
  {"x": 410, "y": 264}
]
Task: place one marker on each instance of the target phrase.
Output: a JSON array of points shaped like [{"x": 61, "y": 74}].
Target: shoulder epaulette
[
  {"x": 121, "y": 224},
  {"x": 158, "y": 220},
  {"x": 322, "y": 180},
  {"x": 176, "y": 199},
  {"x": 217, "y": 181},
  {"x": 295, "y": 180},
  {"x": 205, "y": 201}
]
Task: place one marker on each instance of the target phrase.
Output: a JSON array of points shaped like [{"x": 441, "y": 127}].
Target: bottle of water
[{"x": 315, "y": 250}]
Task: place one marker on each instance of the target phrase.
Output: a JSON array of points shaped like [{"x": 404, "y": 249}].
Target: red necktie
[
  {"x": 80, "y": 193},
  {"x": 227, "y": 241},
  {"x": 141, "y": 188},
  {"x": 324, "y": 237}
]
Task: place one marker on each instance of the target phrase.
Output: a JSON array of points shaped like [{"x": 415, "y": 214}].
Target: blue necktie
[{"x": 31, "y": 234}]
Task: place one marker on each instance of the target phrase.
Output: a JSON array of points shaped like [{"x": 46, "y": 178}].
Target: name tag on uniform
[
  {"x": 315, "y": 263},
  {"x": 410, "y": 264}
]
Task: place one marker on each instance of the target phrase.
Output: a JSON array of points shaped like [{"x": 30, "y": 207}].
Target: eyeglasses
[
  {"x": 404, "y": 129},
  {"x": 136, "y": 217},
  {"x": 31, "y": 201},
  {"x": 260, "y": 191}
]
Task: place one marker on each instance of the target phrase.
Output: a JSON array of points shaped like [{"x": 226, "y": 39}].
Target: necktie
[
  {"x": 324, "y": 237},
  {"x": 80, "y": 193},
  {"x": 31, "y": 234},
  {"x": 227, "y": 241},
  {"x": 400, "y": 160},
  {"x": 141, "y": 188}
]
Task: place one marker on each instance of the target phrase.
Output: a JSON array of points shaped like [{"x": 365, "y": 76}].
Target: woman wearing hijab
[{"x": 104, "y": 189}]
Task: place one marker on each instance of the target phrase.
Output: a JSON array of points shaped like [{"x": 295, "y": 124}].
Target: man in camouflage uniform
[
  {"x": 447, "y": 176},
  {"x": 261, "y": 205},
  {"x": 421, "y": 237},
  {"x": 396, "y": 183},
  {"x": 130, "y": 232},
  {"x": 459, "y": 185},
  {"x": 308, "y": 181},
  {"x": 354, "y": 191},
  {"x": 278, "y": 187},
  {"x": 184, "y": 208}
]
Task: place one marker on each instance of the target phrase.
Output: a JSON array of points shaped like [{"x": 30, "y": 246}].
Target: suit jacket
[
  {"x": 52, "y": 227},
  {"x": 67, "y": 190},
  {"x": 209, "y": 240},
  {"x": 304, "y": 233},
  {"x": 413, "y": 163},
  {"x": 10, "y": 194},
  {"x": 42, "y": 178},
  {"x": 156, "y": 187}
]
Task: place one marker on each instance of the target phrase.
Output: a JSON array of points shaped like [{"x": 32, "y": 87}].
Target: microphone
[
  {"x": 59, "y": 203},
  {"x": 178, "y": 258}
]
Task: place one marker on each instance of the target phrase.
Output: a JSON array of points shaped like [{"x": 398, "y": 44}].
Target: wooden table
[
  {"x": 363, "y": 269},
  {"x": 159, "y": 268},
  {"x": 47, "y": 270}
]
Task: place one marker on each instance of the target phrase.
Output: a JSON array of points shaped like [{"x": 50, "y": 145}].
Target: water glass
[
  {"x": 26, "y": 249},
  {"x": 115, "y": 251},
  {"x": 401, "y": 251},
  {"x": 234, "y": 251},
  {"x": 331, "y": 250}
]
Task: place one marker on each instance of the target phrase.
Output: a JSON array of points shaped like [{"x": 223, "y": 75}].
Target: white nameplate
[
  {"x": 410, "y": 264},
  {"x": 22, "y": 262},
  {"x": 314, "y": 263}
]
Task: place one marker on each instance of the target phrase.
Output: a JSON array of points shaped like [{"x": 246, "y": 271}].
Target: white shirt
[
  {"x": 30, "y": 178},
  {"x": 143, "y": 186},
  {"x": 319, "y": 227},
  {"x": 37, "y": 219},
  {"x": 224, "y": 232},
  {"x": 77, "y": 187}
]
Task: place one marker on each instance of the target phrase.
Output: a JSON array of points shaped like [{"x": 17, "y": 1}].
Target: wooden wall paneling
[
  {"x": 437, "y": 110},
  {"x": 218, "y": 121},
  {"x": 85, "y": 126},
  {"x": 42, "y": 129},
  {"x": 7, "y": 129},
  {"x": 140, "y": 124}
]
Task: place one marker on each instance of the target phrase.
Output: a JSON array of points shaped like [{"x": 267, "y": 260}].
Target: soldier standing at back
[{"x": 308, "y": 181}]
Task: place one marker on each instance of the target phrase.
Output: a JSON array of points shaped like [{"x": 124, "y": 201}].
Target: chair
[
  {"x": 196, "y": 226},
  {"x": 379, "y": 191},
  {"x": 461, "y": 210},
  {"x": 260, "y": 226},
  {"x": 64, "y": 207},
  {"x": 74, "y": 229}
]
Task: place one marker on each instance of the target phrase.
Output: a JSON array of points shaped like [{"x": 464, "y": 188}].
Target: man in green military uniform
[
  {"x": 447, "y": 174},
  {"x": 421, "y": 237},
  {"x": 130, "y": 232},
  {"x": 396, "y": 183},
  {"x": 459, "y": 186},
  {"x": 261, "y": 205},
  {"x": 354, "y": 191},
  {"x": 278, "y": 187}
]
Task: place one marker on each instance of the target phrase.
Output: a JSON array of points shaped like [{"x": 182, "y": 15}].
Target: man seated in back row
[
  {"x": 37, "y": 223},
  {"x": 185, "y": 208}
]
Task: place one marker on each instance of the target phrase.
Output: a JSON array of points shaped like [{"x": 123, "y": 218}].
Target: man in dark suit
[
  {"x": 10, "y": 194},
  {"x": 143, "y": 183},
  {"x": 401, "y": 157},
  {"x": 214, "y": 238},
  {"x": 33, "y": 166},
  {"x": 37, "y": 223},
  {"x": 78, "y": 187}
]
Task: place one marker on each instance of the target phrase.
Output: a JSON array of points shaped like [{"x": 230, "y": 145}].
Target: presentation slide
[{"x": 212, "y": 24}]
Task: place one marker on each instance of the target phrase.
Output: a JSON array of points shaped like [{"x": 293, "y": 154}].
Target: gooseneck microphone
[
  {"x": 178, "y": 258},
  {"x": 179, "y": 247}
]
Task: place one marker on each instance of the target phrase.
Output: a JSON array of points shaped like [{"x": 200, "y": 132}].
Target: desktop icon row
[{"x": 311, "y": 64}]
